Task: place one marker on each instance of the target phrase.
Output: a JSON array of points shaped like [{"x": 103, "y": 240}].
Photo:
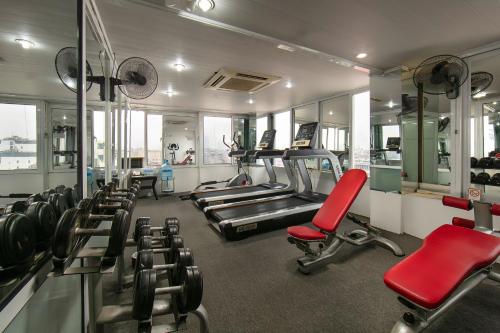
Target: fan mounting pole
[{"x": 108, "y": 158}]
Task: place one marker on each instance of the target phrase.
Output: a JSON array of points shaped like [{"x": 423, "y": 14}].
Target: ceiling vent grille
[{"x": 226, "y": 79}]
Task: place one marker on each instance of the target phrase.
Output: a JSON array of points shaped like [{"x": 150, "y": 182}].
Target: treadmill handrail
[{"x": 306, "y": 153}]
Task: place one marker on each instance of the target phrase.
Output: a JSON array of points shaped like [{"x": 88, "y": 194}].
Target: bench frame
[
  {"x": 418, "y": 318},
  {"x": 328, "y": 247}
]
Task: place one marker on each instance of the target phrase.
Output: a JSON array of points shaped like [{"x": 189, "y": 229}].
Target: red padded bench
[{"x": 328, "y": 218}]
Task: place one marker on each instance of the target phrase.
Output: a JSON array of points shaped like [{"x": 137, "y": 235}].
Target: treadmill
[
  {"x": 220, "y": 196},
  {"x": 241, "y": 219}
]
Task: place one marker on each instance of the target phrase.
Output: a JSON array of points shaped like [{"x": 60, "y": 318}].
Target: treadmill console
[
  {"x": 267, "y": 140},
  {"x": 306, "y": 136},
  {"x": 393, "y": 143}
]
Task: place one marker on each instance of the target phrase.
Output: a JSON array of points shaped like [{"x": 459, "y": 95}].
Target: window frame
[{"x": 41, "y": 115}]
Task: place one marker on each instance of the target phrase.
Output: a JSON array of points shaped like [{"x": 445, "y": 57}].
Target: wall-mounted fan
[
  {"x": 442, "y": 74},
  {"x": 136, "y": 77},
  {"x": 480, "y": 81}
]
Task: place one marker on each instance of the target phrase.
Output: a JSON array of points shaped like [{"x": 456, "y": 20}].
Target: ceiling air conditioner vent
[{"x": 226, "y": 79}]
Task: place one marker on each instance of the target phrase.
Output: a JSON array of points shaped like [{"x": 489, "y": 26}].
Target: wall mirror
[
  {"x": 335, "y": 115},
  {"x": 302, "y": 115},
  {"x": 179, "y": 140}
]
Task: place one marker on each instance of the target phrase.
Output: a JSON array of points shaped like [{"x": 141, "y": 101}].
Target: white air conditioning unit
[{"x": 227, "y": 79}]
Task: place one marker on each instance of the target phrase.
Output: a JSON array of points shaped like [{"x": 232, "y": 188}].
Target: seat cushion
[
  {"x": 338, "y": 203},
  {"x": 447, "y": 257},
  {"x": 305, "y": 233}
]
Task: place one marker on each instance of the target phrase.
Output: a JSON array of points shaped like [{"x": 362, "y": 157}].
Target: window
[
  {"x": 154, "y": 139},
  {"x": 282, "y": 123},
  {"x": 99, "y": 139},
  {"x": 489, "y": 136},
  {"x": 361, "y": 131},
  {"x": 214, "y": 128},
  {"x": 137, "y": 134},
  {"x": 261, "y": 127},
  {"x": 18, "y": 142}
]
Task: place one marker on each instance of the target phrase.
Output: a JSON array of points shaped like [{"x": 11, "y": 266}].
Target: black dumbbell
[
  {"x": 34, "y": 198},
  {"x": 76, "y": 225},
  {"x": 171, "y": 227},
  {"x": 18, "y": 239},
  {"x": 102, "y": 198},
  {"x": 45, "y": 194},
  {"x": 118, "y": 193},
  {"x": 58, "y": 203},
  {"x": 167, "y": 247},
  {"x": 182, "y": 257},
  {"x": 59, "y": 189},
  {"x": 186, "y": 296},
  {"x": 93, "y": 206}
]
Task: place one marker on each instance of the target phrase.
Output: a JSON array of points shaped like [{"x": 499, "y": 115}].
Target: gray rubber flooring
[{"x": 253, "y": 285}]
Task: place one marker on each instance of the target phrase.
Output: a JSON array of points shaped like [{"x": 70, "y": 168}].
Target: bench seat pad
[
  {"x": 305, "y": 233},
  {"x": 446, "y": 258}
]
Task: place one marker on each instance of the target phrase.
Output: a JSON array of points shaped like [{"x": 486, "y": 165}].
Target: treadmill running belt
[
  {"x": 263, "y": 207},
  {"x": 230, "y": 191}
]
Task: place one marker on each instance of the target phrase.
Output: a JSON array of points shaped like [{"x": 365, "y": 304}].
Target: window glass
[
  {"x": 137, "y": 134},
  {"x": 335, "y": 114},
  {"x": 361, "y": 131},
  {"x": 18, "y": 141},
  {"x": 99, "y": 139},
  {"x": 180, "y": 140},
  {"x": 214, "y": 128},
  {"x": 63, "y": 138},
  {"x": 155, "y": 129},
  {"x": 282, "y": 123}
]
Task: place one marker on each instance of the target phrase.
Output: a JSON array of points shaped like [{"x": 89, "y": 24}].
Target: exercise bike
[
  {"x": 242, "y": 178},
  {"x": 173, "y": 147}
]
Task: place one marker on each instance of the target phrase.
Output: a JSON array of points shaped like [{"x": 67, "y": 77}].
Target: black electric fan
[
  {"x": 441, "y": 74},
  {"x": 480, "y": 81},
  {"x": 136, "y": 77}
]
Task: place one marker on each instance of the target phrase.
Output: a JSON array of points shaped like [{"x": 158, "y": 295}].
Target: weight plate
[
  {"x": 176, "y": 242},
  {"x": 17, "y": 239},
  {"x": 138, "y": 225},
  {"x": 16, "y": 207},
  {"x": 46, "y": 194},
  {"x": 173, "y": 221},
  {"x": 144, "y": 294},
  {"x": 34, "y": 198},
  {"x": 69, "y": 196},
  {"x": 192, "y": 281},
  {"x": 118, "y": 235},
  {"x": 45, "y": 219},
  {"x": 183, "y": 257},
  {"x": 60, "y": 189},
  {"x": 65, "y": 239},
  {"x": 144, "y": 260},
  {"x": 144, "y": 243}
]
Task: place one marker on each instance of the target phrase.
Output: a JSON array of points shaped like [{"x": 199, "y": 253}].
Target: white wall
[{"x": 21, "y": 183}]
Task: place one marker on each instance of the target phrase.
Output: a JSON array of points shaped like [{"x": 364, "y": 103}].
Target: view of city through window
[{"x": 18, "y": 142}]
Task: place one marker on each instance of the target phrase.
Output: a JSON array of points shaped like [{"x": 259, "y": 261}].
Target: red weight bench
[
  {"x": 483, "y": 213},
  {"x": 321, "y": 245},
  {"x": 451, "y": 261}
]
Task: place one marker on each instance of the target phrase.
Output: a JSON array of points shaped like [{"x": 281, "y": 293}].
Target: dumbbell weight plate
[
  {"x": 16, "y": 207},
  {"x": 119, "y": 232},
  {"x": 190, "y": 299},
  {"x": 58, "y": 203},
  {"x": 144, "y": 260},
  {"x": 183, "y": 257},
  {"x": 65, "y": 239},
  {"x": 44, "y": 217},
  {"x": 34, "y": 198},
  {"x": 69, "y": 197},
  {"x": 17, "y": 239},
  {"x": 46, "y": 194},
  {"x": 60, "y": 189},
  {"x": 144, "y": 294},
  {"x": 141, "y": 221}
]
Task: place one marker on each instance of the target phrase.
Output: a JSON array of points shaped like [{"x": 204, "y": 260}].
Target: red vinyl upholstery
[
  {"x": 455, "y": 202},
  {"x": 335, "y": 208},
  {"x": 447, "y": 257},
  {"x": 461, "y": 222},
  {"x": 495, "y": 209},
  {"x": 305, "y": 233}
]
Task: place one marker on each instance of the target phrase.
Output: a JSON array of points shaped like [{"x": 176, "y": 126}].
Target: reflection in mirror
[
  {"x": 385, "y": 138},
  {"x": 179, "y": 140},
  {"x": 335, "y": 128},
  {"x": 485, "y": 124},
  {"x": 302, "y": 115},
  {"x": 64, "y": 138}
]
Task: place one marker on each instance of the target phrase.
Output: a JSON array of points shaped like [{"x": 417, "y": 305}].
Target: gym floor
[{"x": 253, "y": 285}]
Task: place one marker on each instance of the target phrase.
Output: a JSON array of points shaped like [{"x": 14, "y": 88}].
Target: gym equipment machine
[{"x": 483, "y": 213}]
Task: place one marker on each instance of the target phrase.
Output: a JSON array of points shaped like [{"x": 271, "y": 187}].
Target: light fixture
[
  {"x": 480, "y": 95},
  {"x": 206, "y": 5},
  {"x": 495, "y": 103},
  {"x": 179, "y": 67},
  {"x": 169, "y": 92},
  {"x": 26, "y": 44},
  {"x": 289, "y": 85},
  {"x": 64, "y": 117},
  {"x": 498, "y": 123},
  {"x": 391, "y": 104},
  {"x": 390, "y": 120},
  {"x": 286, "y": 47},
  {"x": 185, "y": 128},
  {"x": 361, "y": 55},
  {"x": 330, "y": 113},
  {"x": 442, "y": 117},
  {"x": 251, "y": 101}
]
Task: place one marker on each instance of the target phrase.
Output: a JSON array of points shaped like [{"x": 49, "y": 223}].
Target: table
[{"x": 143, "y": 179}]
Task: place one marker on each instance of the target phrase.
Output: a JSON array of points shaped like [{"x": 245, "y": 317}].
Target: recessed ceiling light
[
  {"x": 495, "y": 103},
  {"x": 185, "y": 128},
  {"x": 289, "y": 85},
  {"x": 442, "y": 117},
  {"x": 179, "y": 67},
  {"x": 64, "y": 117},
  {"x": 26, "y": 44},
  {"x": 480, "y": 95},
  {"x": 251, "y": 101},
  {"x": 390, "y": 120},
  {"x": 169, "y": 92},
  {"x": 286, "y": 48},
  {"x": 330, "y": 113},
  {"x": 361, "y": 55},
  {"x": 391, "y": 104},
  {"x": 206, "y": 5}
]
